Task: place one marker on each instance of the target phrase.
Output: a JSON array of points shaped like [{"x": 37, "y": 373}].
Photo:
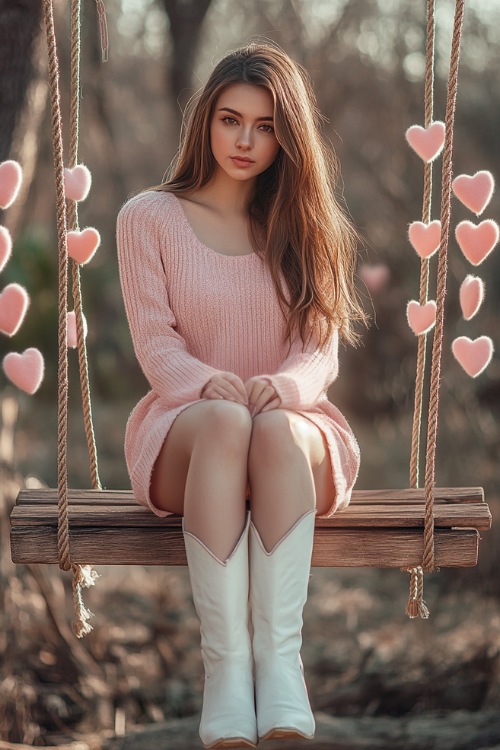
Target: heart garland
[
  {"x": 11, "y": 176},
  {"x": 425, "y": 238},
  {"x": 25, "y": 370},
  {"x": 83, "y": 244},
  {"x": 473, "y": 355},
  {"x": 5, "y": 247},
  {"x": 427, "y": 142},
  {"x": 14, "y": 302},
  {"x": 375, "y": 277},
  {"x": 476, "y": 241},
  {"x": 471, "y": 296},
  {"x": 77, "y": 182},
  {"x": 71, "y": 328},
  {"x": 474, "y": 191},
  {"x": 421, "y": 318}
]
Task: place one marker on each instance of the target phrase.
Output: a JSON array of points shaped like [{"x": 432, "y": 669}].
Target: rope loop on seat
[
  {"x": 83, "y": 575},
  {"x": 415, "y": 602}
]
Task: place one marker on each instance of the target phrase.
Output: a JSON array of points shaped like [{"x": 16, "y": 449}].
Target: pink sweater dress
[{"x": 194, "y": 312}]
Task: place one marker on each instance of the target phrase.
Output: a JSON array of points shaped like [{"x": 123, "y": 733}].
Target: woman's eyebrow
[{"x": 234, "y": 112}]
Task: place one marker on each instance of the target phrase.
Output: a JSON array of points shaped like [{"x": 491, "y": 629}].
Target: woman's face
[{"x": 243, "y": 126}]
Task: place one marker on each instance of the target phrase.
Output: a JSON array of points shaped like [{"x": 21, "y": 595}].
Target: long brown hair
[{"x": 296, "y": 223}]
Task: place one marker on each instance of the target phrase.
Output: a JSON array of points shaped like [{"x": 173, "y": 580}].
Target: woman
[{"x": 237, "y": 276}]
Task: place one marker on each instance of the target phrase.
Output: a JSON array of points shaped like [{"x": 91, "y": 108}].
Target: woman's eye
[
  {"x": 225, "y": 119},
  {"x": 271, "y": 129}
]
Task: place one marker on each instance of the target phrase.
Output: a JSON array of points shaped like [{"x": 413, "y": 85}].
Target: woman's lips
[{"x": 241, "y": 162}]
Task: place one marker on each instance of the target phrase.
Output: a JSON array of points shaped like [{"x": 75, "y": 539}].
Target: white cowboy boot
[
  {"x": 278, "y": 593},
  {"x": 220, "y": 595}
]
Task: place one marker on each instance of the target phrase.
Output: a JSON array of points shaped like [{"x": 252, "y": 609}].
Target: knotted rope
[
  {"x": 416, "y": 605},
  {"x": 83, "y": 575},
  {"x": 424, "y": 265}
]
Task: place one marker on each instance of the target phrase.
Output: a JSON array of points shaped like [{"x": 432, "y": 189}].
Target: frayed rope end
[
  {"x": 416, "y": 607},
  {"x": 84, "y": 576}
]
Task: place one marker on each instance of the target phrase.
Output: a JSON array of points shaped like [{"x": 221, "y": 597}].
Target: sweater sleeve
[
  {"x": 161, "y": 352},
  {"x": 304, "y": 376}
]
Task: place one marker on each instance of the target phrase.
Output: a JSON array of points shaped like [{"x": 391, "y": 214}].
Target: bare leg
[
  {"x": 289, "y": 471},
  {"x": 201, "y": 472}
]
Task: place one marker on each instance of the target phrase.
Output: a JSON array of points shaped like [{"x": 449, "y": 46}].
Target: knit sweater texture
[{"x": 194, "y": 312}]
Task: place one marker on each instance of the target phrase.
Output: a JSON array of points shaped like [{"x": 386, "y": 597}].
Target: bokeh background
[{"x": 376, "y": 678}]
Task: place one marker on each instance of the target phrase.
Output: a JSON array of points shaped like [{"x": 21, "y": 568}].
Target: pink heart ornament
[
  {"x": 71, "y": 323},
  {"x": 427, "y": 142},
  {"x": 476, "y": 241},
  {"x": 77, "y": 182},
  {"x": 375, "y": 277},
  {"x": 11, "y": 176},
  {"x": 5, "y": 247},
  {"x": 83, "y": 244},
  {"x": 474, "y": 191},
  {"x": 425, "y": 238},
  {"x": 421, "y": 318},
  {"x": 471, "y": 296},
  {"x": 473, "y": 355},
  {"x": 14, "y": 302},
  {"x": 25, "y": 370}
]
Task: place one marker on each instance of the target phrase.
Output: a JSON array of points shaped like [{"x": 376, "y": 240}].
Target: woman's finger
[
  {"x": 238, "y": 386},
  {"x": 274, "y": 404},
  {"x": 231, "y": 392},
  {"x": 267, "y": 395}
]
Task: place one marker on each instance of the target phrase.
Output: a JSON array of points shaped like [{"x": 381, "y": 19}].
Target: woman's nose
[{"x": 244, "y": 139}]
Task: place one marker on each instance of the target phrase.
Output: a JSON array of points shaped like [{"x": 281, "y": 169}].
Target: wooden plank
[
  {"x": 165, "y": 546},
  {"x": 370, "y": 497},
  {"x": 463, "y": 515}
]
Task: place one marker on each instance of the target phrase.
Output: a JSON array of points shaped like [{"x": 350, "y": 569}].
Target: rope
[
  {"x": 73, "y": 225},
  {"x": 62, "y": 394},
  {"x": 416, "y": 602},
  {"x": 83, "y": 576},
  {"x": 437, "y": 348},
  {"x": 424, "y": 265}
]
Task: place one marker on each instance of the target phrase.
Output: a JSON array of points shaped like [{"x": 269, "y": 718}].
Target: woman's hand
[
  {"x": 226, "y": 385},
  {"x": 262, "y": 395}
]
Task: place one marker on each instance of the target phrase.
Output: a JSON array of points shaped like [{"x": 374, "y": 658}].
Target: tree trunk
[
  {"x": 186, "y": 21},
  {"x": 19, "y": 27}
]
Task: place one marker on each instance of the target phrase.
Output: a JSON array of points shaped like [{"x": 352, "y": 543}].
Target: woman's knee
[
  {"x": 279, "y": 433},
  {"x": 224, "y": 423}
]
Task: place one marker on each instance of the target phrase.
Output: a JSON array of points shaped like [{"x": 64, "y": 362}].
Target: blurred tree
[
  {"x": 19, "y": 27},
  {"x": 186, "y": 22}
]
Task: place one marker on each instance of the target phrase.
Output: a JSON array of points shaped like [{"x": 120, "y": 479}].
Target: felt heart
[
  {"x": 375, "y": 277},
  {"x": 77, "y": 182},
  {"x": 71, "y": 321},
  {"x": 427, "y": 142},
  {"x": 425, "y": 238},
  {"x": 14, "y": 302},
  {"x": 25, "y": 370},
  {"x": 82, "y": 245},
  {"x": 477, "y": 240},
  {"x": 11, "y": 176},
  {"x": 474, "y": 355},
  {"x": 5, "y": 246},
  {"x": 474, "y": 191},
  {"x": 421, "y": 318},
  {"x": 471, "y": 296}
]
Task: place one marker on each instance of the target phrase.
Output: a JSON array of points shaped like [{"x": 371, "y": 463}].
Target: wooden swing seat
[{"x": 380, "y": 528}]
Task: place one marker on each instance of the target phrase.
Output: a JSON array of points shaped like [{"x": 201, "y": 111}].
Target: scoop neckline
[{"x": 202, "y": 244}]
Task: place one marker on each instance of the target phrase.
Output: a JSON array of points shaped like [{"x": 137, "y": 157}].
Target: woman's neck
[{"x": 230, "y": 197}]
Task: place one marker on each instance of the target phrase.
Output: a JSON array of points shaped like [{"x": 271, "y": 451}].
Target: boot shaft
[
  {"x": 278, "y": 590},
  {"x": 221, "y": 599}
]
